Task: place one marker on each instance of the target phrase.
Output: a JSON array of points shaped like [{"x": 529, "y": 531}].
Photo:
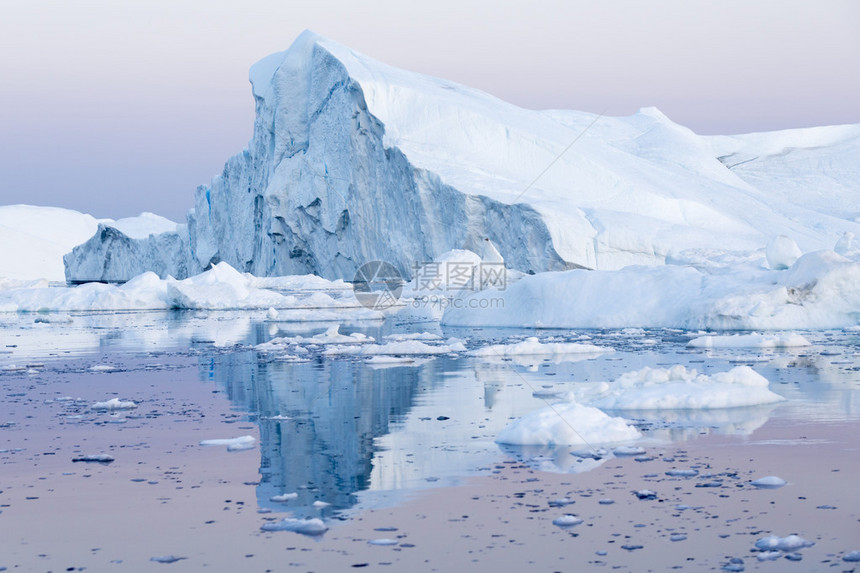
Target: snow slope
[
  {"x": 34, "y": 239},
  {"x": 352, "y": 160}
]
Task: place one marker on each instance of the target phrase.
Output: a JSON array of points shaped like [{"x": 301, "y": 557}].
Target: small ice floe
[
  {"x": 99, "y": 458},
  {"x": 567, "y": 520},
  {"x": 628, "y": 451},
  {"x": 277, "y": 417},
  {"x": 13, "y": 368},
  {"x": 679, "y": 388},
  {"x": 753, "y": 340},
  {"x": 533, "y": 347},
  {"x": 567, "y": 424},
  {"x": 402, "y": 348},
  {"x": 284, "y": 497},
  {"x": 114, "y": 404},
  {"x": 769, "y": 482},
  {"x": 313, "y": 526},
  {"x": 645, "y": 494},
  {"x": 379, "y": 362},
  {"x": 271, "y": 314},
  {"x": 787, "y": 544},
  {"x": 769, "y": 555},
  {"x": 678, "y": 537},
  {"x": 321, "y": 504},
  {"x": 546, "y": 393},
  {"x": 167, "y": 559},
  {"x": 102, "y": 368},
  {"x": 561, "y": 502},
  {"x": 606, "y": 501},
  {"x": 794, "y": 556},
  {"x": 734, "y": 564},
  {"x": 233, "y": 444},
  {"x": 851, "y": 557},
  {"x": 594, "y": 453},
  {"x": 682, "y": 473},
  {"x": 385, "y": 541}
]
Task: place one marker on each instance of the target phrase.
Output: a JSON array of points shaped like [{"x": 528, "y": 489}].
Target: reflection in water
[{"x": 318, "y": 421}]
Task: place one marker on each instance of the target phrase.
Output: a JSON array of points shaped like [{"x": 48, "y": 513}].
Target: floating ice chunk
[
  {"x": 99, "y": 458},
  {"x": 769, "y": 482},
  {"x": 533, "y": 347},
  {"x": 566, "y": 521},
  {"x": 628, "y": 451},
  {"x": 769, "y": 555},
  {"x": 567, "y": 424},
  {"x": 382, "y": 542},
  {"x": 753, "y": 340},
  {"x": 561, "y": 502},
  {"x": 776, "y": 543},
  {"x": 102, "y": 368},
  {"x": 114, "y": 404},
  {"x": 645, "y": 494},
  {"x": 682, "y": 473},
  {"x": 678, "y": 537},
  {"x": 321, "y": 504},
  {"x": 167, "y": 559},
  {"x": 313, "y": 526},
  {"x": 406, "y": 347},
  {"x": 233, "y": 444},
  {"x": 284, "y": 497},
  {"x": 734, "y": 564},
  {"x": 851, "y": 557},
  {"x": 782, "y": 252},
  {"x": 680, "y": 388},
  {"x": 271, "y": 314}
]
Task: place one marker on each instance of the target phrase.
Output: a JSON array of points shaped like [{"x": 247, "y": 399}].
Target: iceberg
[{"x": 352, "y": 161}]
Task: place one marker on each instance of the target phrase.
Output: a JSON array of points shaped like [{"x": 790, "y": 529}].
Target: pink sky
[{"x": 116, "y": 107}]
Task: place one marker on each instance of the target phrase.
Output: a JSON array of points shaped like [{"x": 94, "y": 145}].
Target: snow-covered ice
[
  {"x": 788, "y": 543},
  {"x": 678, "y": 388},
  {"x": 233, "y": 444},
  {"x": 769, "y": 482},
  {"x": 567, "y": 424},
  {"x": 114, "y": 404},
  {"x": 533, "y": 347},
  {"x": 753, "y": 340},
  {"x": 311, "y": 527}
]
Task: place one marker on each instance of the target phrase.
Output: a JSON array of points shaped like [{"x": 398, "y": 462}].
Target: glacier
[{"x": 352, "y": 160}]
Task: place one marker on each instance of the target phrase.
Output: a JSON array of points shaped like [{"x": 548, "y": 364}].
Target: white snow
[
  {"x": 114, "y": 404},
  {"x": 753, "y": 340},
  {"x": 567, "y": 424},
  {"x": 782, "y": 252},
  {"x": 34, "y": 239},
  {"x": 819, "y": 291},
  {"x": 678, "y": 388},
  {"x": 220, "y": 288},
  {"x": 284, "y": 497}
]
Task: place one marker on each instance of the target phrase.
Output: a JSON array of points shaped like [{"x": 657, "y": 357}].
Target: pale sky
[{"x": 115, "y": 107}]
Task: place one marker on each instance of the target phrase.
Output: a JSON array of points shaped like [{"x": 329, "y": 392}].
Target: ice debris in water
[
  {"x": 567, "y": 520},
  {"x": 313, "y": 526},
  {"x": 321, "y": 504},
  {"x": 233, "y": 444},
  {"x": 383, "y": 542},
  {"x": 682, "y": 473},
  {"x": 284, "y": 497},
  {"x": 645, "y": 494},
  {"x": 769, "y": 482},
  {"x": 776, "y": 543},
  {"x": 167, "y": 559},
  {"x": 851, "y": 557},
  {"x": 100, "y": 458},
  {"x": 114, "y": 404},
  {"x": 628, "y": 451}
]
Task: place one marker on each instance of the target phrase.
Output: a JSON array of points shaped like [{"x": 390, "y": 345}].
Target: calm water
[{"x": 352, "y": 435}]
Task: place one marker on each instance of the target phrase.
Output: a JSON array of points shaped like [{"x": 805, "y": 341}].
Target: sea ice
[
  {"x": 533, "y": 347},
  {"x": 769, "y": 482},
  {"x": 678, "y": 388},
  {"x": 233, "y": 444},
  {"x": 567, "y": 520},
  {"x": 754, "y": 340},
  {"x": 312, "y": 527},
  {"x": 284, "y": 497},
  {"x": 114, "y": 404},
  {"x": 567, "y": 424},
  {"x": 782, "y": 252},
  {"x": 788, "y": 543}
]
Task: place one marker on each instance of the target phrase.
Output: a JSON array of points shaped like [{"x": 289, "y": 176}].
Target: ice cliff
[{"x": 352, "y": 160}]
